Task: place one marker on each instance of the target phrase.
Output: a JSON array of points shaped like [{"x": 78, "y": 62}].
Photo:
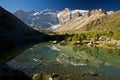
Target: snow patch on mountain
[
  {"x": 37, "y": 13},
  {"x": 54, "y": 27},
  {"x": 80, "y": 11},
  {"x": 40, "y": 19},
  {"x": 67, "y": 15}
]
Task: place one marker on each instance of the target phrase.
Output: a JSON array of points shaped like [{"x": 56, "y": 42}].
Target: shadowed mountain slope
[{"x": 13, "y": 34}]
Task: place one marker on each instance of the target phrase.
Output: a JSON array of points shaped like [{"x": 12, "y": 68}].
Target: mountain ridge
[
  {"x": 39, "y": 19},
  {"x": 43, "y": 19},
  {"x": 97, "y": 21},
  {"x": 89, "y": 19}
]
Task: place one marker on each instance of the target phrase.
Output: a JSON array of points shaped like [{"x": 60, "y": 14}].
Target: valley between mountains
[
  {"x": 60, "y": 45},
  {"x": 98, "y": 26}
]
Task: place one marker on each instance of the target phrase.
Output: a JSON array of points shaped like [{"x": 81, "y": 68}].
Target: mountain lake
[{"x": 77, "y": 62}]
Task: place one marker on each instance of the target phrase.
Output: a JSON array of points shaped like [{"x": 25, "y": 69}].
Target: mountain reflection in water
[{"x": 68, "y": 59}]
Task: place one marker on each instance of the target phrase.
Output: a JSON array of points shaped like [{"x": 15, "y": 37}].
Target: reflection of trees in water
[
  {"x": 89, "y": 55},
  {"x": 98, "y": 56}
]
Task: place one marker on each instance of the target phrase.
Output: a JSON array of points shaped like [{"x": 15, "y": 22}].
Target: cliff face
[
  {"x": 66, "y": 15},
  {"x": 14, "y": 33},
  {"x": 82, "y": 22}
]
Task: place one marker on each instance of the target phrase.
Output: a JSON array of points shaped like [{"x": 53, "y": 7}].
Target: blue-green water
[{"x": 69, "y": 60}]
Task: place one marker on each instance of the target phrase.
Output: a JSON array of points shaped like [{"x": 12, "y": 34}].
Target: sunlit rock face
[
  {"x": 67, "y": 15},
  {"x": 80, "y": 20},
  {"x": 64, "y": 16}
]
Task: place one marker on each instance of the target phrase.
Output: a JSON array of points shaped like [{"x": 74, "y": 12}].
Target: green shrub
[{"x": 117, "y": 35}]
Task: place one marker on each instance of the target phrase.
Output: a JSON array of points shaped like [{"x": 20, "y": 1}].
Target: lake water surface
[{"x": 69, "y": 59}]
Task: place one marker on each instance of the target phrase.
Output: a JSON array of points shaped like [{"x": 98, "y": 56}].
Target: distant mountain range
[
  {"x": 48, "y": 19},
  {"x": 73, "y": 21}
]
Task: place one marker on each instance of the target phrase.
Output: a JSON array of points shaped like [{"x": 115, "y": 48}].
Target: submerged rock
[
  {"x": 39, "y": 64},
  {"x": 35, "y": 76},
  {"x": 54, "y": 42},
  {"x": 63, "y": 42},
  {"x": 93, "y": 73},
  {"x": 33, "y": 67},
  {"x": 50, "y": 78},
  {"x": 54, "y": 75}
]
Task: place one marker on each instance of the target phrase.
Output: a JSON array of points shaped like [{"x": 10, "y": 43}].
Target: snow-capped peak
[
  {"x": 36, "y": 13},
  {"x": 48, "y": 18},
  {"x": 80, "y": 11}
]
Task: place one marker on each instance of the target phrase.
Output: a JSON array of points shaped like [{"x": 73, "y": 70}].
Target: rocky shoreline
[
  {"x": 89, "y": 75},
  {"x": 113, "y": 44}
]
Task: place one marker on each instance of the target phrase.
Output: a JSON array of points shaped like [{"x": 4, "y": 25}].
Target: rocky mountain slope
[
  {"x": 111, "y": 24},
  {"x": 83, "y": 22},
  {"x": 95, "y": 22},
  {"x": 66, "y": 15},
  {"x": 13, "y": 33},
  {"x": 40, "y": 19}
]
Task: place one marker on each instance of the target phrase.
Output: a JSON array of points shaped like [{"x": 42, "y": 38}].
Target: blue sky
[{"x": 37, "y": 5}]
